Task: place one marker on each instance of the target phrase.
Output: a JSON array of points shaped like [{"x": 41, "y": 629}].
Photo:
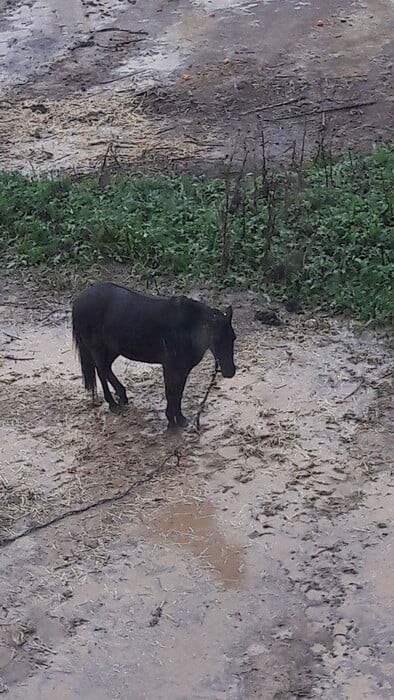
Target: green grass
[{"x": 331, "y": 244}]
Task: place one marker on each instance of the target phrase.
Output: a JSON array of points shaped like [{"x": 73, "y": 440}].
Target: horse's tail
[{"x": 85, "y": 357}]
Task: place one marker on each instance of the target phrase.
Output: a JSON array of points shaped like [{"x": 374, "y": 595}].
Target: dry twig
[
  {"x": 344, "y": 398},
  {"x": 271, "y": 106},
  {"x": 324, "y": 110},
  {"x": 10, "y": 335},
  {"x": 119, "y": 29}
]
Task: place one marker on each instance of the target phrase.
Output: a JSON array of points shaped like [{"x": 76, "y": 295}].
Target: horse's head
[{"x": 222, "y": 341}]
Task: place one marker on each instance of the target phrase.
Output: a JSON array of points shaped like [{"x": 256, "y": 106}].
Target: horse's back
[
  {"x": 107, "y": 298},
  {"x": 101, "y": 294},
  {"x": 127, "y": 322}
]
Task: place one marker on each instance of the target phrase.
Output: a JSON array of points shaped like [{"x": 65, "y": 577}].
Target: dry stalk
[{"x": 225, "y": 255}]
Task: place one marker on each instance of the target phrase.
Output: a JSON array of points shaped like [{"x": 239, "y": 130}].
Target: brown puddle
[{"x": 192, "y": 525}]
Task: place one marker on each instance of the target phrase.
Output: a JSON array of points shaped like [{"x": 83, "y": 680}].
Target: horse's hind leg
[
  {"x": 119, "y": 388},
  {"x": 102, "y": 371},
  {"x": 107, "y": 394}
]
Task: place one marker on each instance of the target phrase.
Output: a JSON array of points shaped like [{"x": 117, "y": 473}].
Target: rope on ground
[
  {"x": 90, "y": 506},
  {"x": 203, "y": 402}
]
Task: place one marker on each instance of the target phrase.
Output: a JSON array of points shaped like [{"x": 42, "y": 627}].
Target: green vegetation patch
[{"x": 323, "y": 235}]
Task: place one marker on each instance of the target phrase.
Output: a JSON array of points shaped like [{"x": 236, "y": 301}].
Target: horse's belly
[
  {"x": 145, "y": 351},
  {"x": 149, "y": 358}
]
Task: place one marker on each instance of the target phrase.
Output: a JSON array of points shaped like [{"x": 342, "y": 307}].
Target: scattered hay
[{"x": 39, "y": 140}]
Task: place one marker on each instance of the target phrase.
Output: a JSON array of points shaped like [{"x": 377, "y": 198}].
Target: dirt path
[
  {"x": 256, "y": 564},
  {"x": 178, "y": 84}
]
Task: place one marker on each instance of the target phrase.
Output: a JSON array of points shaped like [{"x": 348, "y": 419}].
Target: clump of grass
[{"x": 323, "y": 235}]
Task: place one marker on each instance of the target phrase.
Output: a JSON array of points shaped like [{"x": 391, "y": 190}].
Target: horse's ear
[{"x": 229, "y": 313}]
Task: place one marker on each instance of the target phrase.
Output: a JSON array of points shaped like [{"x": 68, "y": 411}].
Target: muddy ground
[
  {"x": 177, "y": 84},
  {"x": 254, "y": 561}
]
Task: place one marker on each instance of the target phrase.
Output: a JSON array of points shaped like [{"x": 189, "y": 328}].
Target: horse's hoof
[
  {"x": 172, "y": 428},
  {"x": 115, "y": 408},
  {"x": 175, "y": 427}
]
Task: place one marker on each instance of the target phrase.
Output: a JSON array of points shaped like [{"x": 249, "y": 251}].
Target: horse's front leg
[{"x": 175, "y": 380}]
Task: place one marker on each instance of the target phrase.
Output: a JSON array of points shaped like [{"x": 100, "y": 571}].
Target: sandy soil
[
  {"x": 176, "y": 84},
  {"x": 255, "y": 562}
]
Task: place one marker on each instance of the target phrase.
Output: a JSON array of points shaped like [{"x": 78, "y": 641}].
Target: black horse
[{"x": 175, "y": 332}]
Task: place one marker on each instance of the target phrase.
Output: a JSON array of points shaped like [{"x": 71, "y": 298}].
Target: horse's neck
[{"x": 202, "y": 334}]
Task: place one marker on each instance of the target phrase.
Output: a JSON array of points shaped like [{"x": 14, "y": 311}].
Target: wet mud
[
  {"x": 178, "y": 85},
  {"x": 256, "y": 561}
]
